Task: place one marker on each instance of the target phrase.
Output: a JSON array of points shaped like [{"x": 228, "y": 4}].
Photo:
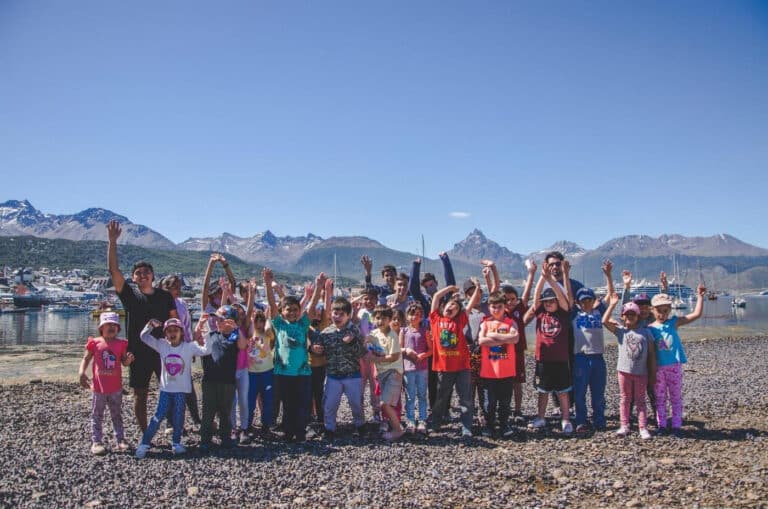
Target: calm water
[{"x": 45, "y": 327}]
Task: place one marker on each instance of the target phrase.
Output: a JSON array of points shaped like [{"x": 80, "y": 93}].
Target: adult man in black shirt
[{"x": 142, "y": 303}]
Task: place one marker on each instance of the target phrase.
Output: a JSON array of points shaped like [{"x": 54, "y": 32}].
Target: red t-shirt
[
  {"x": 107, "y": 357},
  {"x": 552, "y": 335},
  {"x": 449, "y": 346},
  {"x": 498, "y": 361}
]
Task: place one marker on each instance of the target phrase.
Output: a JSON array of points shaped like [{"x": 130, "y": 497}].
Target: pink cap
[
  {"x": 172, "y": 322},
  {"x": 630, "y": 307}
]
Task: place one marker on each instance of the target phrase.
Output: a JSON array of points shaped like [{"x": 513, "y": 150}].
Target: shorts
[
  {"x": 141, "y": 369},
  {"x": 519, "y": 368},
  {"x": 552, "y": 377},
  {"x": 391, "y": 383}
]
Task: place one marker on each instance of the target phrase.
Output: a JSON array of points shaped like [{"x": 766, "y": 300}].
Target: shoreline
[{"x": 722, "y": 460}]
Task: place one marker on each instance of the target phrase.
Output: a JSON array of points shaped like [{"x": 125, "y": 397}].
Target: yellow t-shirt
[{"x": 390, "y": 344}]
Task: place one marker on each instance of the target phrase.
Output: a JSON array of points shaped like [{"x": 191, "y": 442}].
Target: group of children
[{"x": 297, "y": 357}]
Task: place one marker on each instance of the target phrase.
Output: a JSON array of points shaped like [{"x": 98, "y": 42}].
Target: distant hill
[
  {"x": 717, "y": 258},
  {"x": 92, "y": 255},
  {"x": 21, "y": 218}
]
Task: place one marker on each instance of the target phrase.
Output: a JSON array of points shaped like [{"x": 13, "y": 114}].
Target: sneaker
[
  {"x": 582, "y": 429},
  {"x": 142, "y": 450},
  {"x": 678, "y": 433},
  {"x": 178, "y": 449},
  {"x": 391, "y": 436},
  {"x": 537, "y": 423},
  {"x": 204, "y": 448},
  {"x": 486, "y": 432},
  {"x": 244, "y": 438},
  {"x": 507, "y": 431},
  {"x": 411, "y": 427},
  {"x": 567, "y": 427},
  {"x": 123, "y": 446},
  {"x": 421, "y": 428},
  {"x": 98, "y": 449},
  {"x": 622, "y": 431},
  {"x": 233, "y": 434},
  {"x": 661, "y": 431},
  {"x": 519, "y": 419},
  {"x": 466, "y": 432},
  {"x": 329, "y": 435},
  {"x": 645, "y": 434}
]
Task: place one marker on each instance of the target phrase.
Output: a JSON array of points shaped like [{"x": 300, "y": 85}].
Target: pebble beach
[{"x": 721, "y": 461}]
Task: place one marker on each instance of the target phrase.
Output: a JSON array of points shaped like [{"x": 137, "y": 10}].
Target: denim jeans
[
  {"x": 261, "y": 384},
  {"x": 164, "y": 402},
  {"x": 416, "y": 389},
  {"x": 334, "y": 388},
  {"x": 589, "y": 371},
  {"x": 240, "y": 401}
]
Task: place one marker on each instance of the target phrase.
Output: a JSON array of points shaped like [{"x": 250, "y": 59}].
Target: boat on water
[
  {"x": 679, "y": 304},
  {"x": 739, "y": 302},
  {"x": 68, "y": 308}
]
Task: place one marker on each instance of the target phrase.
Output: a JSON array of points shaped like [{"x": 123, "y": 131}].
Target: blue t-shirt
[
  {"x": 669, "y": 348},
  {"x": 291, "y": 354}
]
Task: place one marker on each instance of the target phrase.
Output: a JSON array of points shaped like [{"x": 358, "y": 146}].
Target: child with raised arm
[
  {"x": 636, "y": 364},
  {"x": 551, "y": 310},
  {"x": 343, "y": 346},
  {"x": 219, "y": 370},
  {"x": 292, "y": 373},
  {"x": 108, "y": 352},
  {"x": 498, "y": 365},
  {"x": 261, "y": 348},
  {"x": 516, "y": 307},
  {"x": 369, "y": 298},
  {"x": 450, "y": 355},
  {"x": 416, "y": 347},
  {"x": 670, "y": 357},
  {"x": 385, "y": 346},
  {"x": 175, "y": 379},
  {"x": 388, "y": 274},
  {"x": 589, "y": 371}
]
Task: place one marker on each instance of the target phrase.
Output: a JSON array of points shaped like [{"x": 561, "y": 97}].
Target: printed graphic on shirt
[
  {"x": 448, "y": 339},
  {"x": 109, "y": 359},
  {"x": 588, "y": 321},
  {"x": 497, "y": 353},
  {"x": 174, "y": 364},
  {"x": 550, "y": 325},
  {"x": 634, "y": 346}
]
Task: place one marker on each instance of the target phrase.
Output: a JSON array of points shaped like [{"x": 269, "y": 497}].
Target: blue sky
[{"x": 533, "y": 121}]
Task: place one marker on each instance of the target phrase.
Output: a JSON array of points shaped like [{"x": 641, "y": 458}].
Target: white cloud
[{"x": 459, "y": 215}]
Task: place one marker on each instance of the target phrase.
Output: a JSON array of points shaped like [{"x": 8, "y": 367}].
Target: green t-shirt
[{"x": 291, "y": 354}]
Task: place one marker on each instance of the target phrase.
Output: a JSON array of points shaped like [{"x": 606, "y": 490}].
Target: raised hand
[
  {"x": 486, "y": 271},
  {"x": 607, "y": 267},
  {"x": 663, "y": 279},
  {"x": 365, "y": 260},
  {"x": 531, "y": 266},
  {"x": 320, "y": 280},
  {"x": 487, "y": 263},
  {"x": 267, "y": 276},
  {"x": 154, "y": 323},
  {"x": 113, "y": 230},
  {"x": 701, "y": 290},
  {"x": 567, "y": 268},
  {"x": 626, "y": 278},
  {"x": 546, "y": 271},
  {"x": 613, "y": 299}
]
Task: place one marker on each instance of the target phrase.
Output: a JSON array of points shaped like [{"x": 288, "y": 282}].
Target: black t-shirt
[
  {"x": 139, "y": 309},
  {"x": 221, "y": 365}
]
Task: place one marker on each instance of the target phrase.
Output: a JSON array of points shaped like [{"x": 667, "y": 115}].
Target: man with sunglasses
[{"x": 142, "y": 302}]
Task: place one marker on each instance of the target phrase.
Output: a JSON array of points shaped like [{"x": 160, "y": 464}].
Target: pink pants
[
  {"x": 632, "y": 389},
  {"x": 669, "y": 380}
]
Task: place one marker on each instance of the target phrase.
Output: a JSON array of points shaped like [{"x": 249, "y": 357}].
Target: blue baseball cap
[
  {"x": 585, "y": 293},
  {"x": 548, "y": 294}
]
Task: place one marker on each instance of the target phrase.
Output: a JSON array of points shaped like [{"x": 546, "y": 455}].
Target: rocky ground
[{"x": 721, "y": 461}]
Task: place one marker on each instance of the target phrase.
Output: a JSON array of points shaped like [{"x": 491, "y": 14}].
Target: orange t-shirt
[{"x": 498, "y": 361}]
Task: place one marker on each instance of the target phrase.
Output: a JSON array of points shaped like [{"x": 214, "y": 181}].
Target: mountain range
[{"x": 716, "y": 258}]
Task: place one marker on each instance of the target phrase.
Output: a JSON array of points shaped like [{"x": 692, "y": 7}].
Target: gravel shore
[{"x": 721, "y": 461}]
